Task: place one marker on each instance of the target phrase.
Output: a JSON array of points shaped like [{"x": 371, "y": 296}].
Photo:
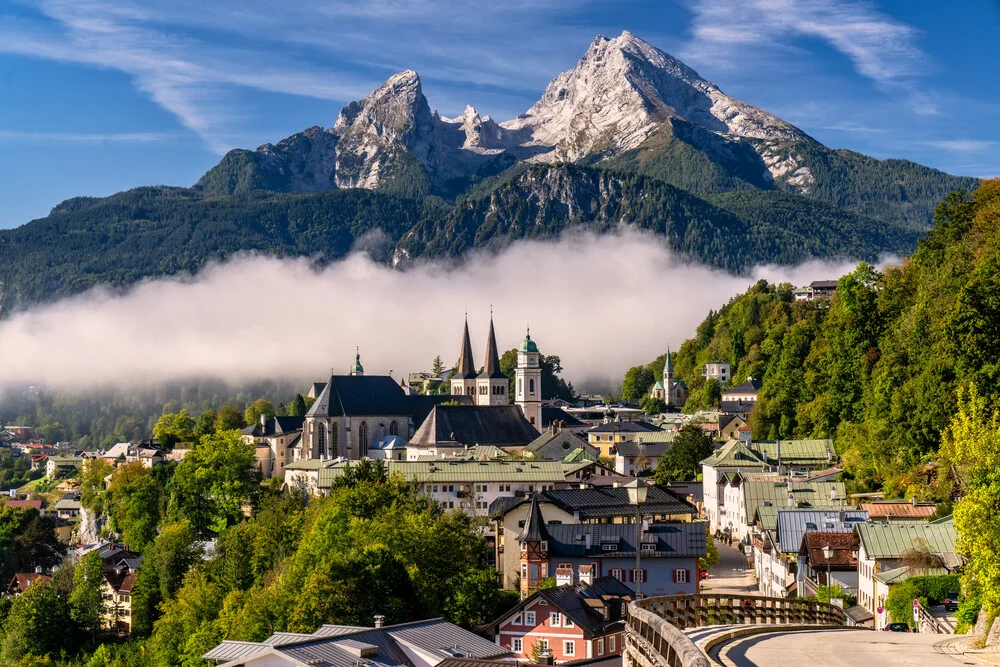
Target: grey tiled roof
[
  {"x": 672, "y": 539},
  {"x": 359, "y": 395},
  {"x": 635, "y": 448},
  {"x": 475, "y": 425},
  {"x": 602, "y": 503}
]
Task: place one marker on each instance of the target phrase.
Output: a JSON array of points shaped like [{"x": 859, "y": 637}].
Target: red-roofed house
[
  {"x": 10, "y": 502},
  {"x": 823, "y": 555},
  {"x": 22, "y": 580}
]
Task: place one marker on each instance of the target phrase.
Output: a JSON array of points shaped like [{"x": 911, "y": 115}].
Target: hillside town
[{"x": 570, "y": 498}]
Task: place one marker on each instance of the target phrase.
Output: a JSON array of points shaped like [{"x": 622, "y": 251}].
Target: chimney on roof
[
  {"x": 263, "y": 419},
  {"x": 545, "y": 657},
  {"x": 379, "y": 620},
  {"x": 564, "y": 576},
  {"x": 587, "y": 574}
]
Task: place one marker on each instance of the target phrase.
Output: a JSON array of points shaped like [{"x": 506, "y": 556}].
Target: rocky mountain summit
[{"x": 620, "y": 93}]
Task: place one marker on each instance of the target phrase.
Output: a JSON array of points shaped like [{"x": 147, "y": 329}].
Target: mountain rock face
[
  {"x": 623, "y": 89},
  {"x": 626, "y": 105}
]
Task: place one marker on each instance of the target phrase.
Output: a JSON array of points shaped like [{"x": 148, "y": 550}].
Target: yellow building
[
  {"x": 116, "y": 601},
  {"x": 605, "y": 436}
]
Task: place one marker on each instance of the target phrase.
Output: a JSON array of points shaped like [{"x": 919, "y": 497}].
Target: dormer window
[{"x": 609, "y": 547}]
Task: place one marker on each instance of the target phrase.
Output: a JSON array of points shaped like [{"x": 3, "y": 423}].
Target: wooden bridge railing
[{"x": 654, "y": 635}]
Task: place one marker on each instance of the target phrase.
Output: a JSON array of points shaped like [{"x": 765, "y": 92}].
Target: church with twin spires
[{"x": 490, "y": 387}]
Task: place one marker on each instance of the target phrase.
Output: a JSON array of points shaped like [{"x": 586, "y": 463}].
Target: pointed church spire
[
  {"x": 669, "y": 364},
  {"x": 466, "y": 363},
  {"x": 534, "y": 525},
  {"x": 491, "y": 368}
]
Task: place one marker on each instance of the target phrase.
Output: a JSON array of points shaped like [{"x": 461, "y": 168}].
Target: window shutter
[
  {"x": 675, "y": 575},
  {"x": 645, "y": 577},
  {"x": 631, "y": 576}
]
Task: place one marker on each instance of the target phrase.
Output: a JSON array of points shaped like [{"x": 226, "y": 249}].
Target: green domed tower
[{"x": 528, "y": 378}]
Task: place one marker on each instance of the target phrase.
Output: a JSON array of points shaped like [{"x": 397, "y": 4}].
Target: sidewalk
[{"x": 730, "y": 574}]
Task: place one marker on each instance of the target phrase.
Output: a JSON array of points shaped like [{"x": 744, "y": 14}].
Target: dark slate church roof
[
  {"x": 491, "y": 369},
  {"x": 360, "y": 395},
  {"x": 421, "y": 405},
  {"x": 550, "y": 415},
  {"x": 466, "y": 364},
  {"x": 501, "y": 425}
]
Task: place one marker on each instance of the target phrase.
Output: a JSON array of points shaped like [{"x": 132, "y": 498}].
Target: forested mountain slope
[{"x": 880, "y": 367}]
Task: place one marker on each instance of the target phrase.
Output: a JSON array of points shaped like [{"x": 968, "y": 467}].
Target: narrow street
[{"x": 730, "y": 574}]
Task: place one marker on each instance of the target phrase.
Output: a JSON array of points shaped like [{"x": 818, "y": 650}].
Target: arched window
[
  {"x": 333, "y": 438},
  {"x": 363, "y": 435},
  {"x": 520, "y": 387},
  {"x": 531, "y": 386},
  {"x": 321, "y": 441},
  {"x": 393, "y": 429}
]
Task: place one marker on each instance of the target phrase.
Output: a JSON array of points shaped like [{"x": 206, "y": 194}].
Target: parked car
[
  {"x": 897, "y": 627},
  {"x": 951, "y": 601}
]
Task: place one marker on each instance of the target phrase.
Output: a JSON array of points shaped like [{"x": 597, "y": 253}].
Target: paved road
[
  {"x": 839, "y": 648},
  {"x": 730, "y": 574}
]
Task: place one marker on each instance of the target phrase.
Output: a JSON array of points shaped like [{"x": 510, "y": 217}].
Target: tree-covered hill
[
  {"x": 159, "y": 231},
  {"x": 879, "y": 367}
]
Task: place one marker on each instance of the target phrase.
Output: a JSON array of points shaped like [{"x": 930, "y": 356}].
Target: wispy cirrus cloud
[
  {"x": 964, "y": 145},
  {"x": 74, "y": 137},
  {"x": 878, "y": 46},
  {"x": 194, "y": 58}
]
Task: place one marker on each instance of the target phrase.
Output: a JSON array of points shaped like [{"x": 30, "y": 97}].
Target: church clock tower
[{"x": 528, "y": 376}]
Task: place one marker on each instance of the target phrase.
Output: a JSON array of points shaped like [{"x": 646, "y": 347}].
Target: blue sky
[{"x": 97, "y": 96}]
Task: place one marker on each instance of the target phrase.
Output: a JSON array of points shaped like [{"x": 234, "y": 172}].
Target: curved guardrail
[{"x": 654, "y": 635}]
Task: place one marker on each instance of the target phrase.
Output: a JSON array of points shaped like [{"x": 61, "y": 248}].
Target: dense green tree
[
  {"x": 637, "y": 383},
  {"x": 437, "y": 367},
  {"x": 27, "y": 540},
  {"x": 206, "y": 423},
  {"x": 172, "y": 428},
  {"x": 85, "y": 600},
  {"x": 38, "y": 624},
  {"x": 261, "y": 406},
  {"x": 93, "y": 489},
  {"x": 682, "y": 461},
  {"x": 297, "y": 408},
  {"x": 228, "y": 418},
  {"x": 215, "y": 482},
  {"x": 136, "y": 504}
]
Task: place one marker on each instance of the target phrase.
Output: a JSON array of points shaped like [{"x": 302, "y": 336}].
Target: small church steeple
[
  {"x": 357, "y": 368},
  {"x": 492, "y": 384},
  {"x": 463, "y": 382}
]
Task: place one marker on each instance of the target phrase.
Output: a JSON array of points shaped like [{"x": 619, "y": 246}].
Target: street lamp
[
  {"x": 828, "y": 554},
  {"x": 637, "y": 496}
]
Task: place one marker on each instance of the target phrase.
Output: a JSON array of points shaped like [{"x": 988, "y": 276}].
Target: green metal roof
[
  {"x": 657, "y": 436},
  {"x": 733, "y": 454},
  {"x": 893, "y": 539},
  {"x": 479, "y": 471},
  {"x": 899, "y": 574},
  {"x": 768, "y": 517},
  {"x": 792, "y": 451},
  {"x": 579, "y": 455},
  {"x": 528, "y": 345},
  {"x": 804, "y": 494}
]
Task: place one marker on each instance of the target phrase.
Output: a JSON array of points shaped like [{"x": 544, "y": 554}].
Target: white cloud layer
[{"x": 602, "y": 303}]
